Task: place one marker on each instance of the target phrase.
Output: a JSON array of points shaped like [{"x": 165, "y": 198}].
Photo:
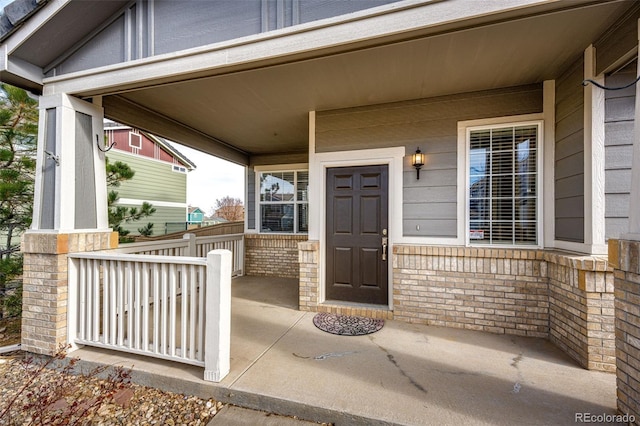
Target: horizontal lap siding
[
  {"x": 569, "y": 155},
  {"x": 619, "y": 116},
  {"x": 162, "y": 216},
  {"x": 430, "y": 204},
  {"x": 153, "y": 180}
]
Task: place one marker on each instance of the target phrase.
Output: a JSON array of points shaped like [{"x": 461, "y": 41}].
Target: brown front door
[{"x": 357, "y": 223}]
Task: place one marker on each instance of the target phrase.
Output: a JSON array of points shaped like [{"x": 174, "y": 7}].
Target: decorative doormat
[{"x": 346, "y": 325}]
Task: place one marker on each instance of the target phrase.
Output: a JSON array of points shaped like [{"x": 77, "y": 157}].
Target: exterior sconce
[{"x": 418, "y": 161}]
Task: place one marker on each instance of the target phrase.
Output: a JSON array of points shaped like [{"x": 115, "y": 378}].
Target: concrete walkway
[{"x": 404, "y": 374}]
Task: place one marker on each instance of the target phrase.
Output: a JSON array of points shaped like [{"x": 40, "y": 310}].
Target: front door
[{"x": 357, "y": 223}]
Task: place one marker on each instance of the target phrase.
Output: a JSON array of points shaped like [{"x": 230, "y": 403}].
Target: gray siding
[
  {"x": 429, "y": 204},
  {"x": 619, "y": 115},
  {"x": 86, "y": 216},
  {"x": 153, "y": 28},
  {"x": 105, "y": 48},
  {"x": 569, "y": 155},
  {"x": 618, "y": 41},
  {"x": 47, "y": 218},
  {"x": 251, "y": 198}
]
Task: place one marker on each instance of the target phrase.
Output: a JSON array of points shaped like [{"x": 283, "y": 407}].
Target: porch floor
[{"x": 404, "y": 374}]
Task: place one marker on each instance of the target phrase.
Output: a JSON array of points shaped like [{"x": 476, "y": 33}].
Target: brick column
[
  {"x": 624, "y": 256},
  {"x": 272, "y": 255},
  {"x": 308, "y": 258},
  {"x": 581, "y": 315},
  {"x": 44, "y": 297}
]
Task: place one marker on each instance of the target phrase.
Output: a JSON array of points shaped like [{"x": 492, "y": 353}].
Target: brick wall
[
  {"x": 565, "y": 298},
  {"x": 568, "y": 299},
  {"x": 272, "y": 255},
  {"x": 499, "y": 291},
  {"x": 624, "y": 256},
  {"x": 44, "y": 297}
]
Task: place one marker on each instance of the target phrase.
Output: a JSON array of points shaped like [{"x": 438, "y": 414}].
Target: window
[
  {"x": 284, "y": 205},
  {"x": 503, "y": 177},
  {"x": 179, "y": 169},
  {"x": 135, "y": 140}
]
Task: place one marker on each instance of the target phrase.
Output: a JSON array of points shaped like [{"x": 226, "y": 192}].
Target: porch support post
[
  {"x": 191, "y": 244},
  {"x": 309, "y": 284},
  {"x": 624, "y": 256},
  {"x": 70, "y": 215},
  {"x": 217, "y": 340},
  {"x": 594, "y": 223}
]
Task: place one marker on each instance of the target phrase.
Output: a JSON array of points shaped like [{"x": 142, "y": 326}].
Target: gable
[
  {"x": 145, "y": 145},
  {"x": 146, "y": 28}
]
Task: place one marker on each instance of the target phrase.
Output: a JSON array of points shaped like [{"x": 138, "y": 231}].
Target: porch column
[
  {"x": 69, "y": 215},
  {"x": 309, "y": 291},
  {"x": 625, "y": 258},
  {"x": 594, "y": 215}
]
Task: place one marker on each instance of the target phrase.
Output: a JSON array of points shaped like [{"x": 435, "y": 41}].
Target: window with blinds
[{"x": 503, "y": 180}]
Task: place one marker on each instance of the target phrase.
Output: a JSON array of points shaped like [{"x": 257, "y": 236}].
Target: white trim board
[{"x": 138, "y": 202}]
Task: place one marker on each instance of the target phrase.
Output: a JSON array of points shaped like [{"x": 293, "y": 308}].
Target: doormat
[{"x": 346, "y": 325}]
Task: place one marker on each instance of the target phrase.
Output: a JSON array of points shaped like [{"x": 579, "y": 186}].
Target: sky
[{"x": 212, "y": 179}]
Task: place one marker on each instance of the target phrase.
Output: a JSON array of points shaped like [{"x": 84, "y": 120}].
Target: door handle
[{"x": 385, "y": 242}]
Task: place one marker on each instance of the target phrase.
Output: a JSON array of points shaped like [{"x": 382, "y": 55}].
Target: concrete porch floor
[{"x": 404, "y": 374}]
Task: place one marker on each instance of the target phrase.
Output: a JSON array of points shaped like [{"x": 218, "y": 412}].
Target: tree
[
  {"x": 18, "y": 137},
  {"x": 117, "y": 173},
  {"x": 229, "y": 208}
]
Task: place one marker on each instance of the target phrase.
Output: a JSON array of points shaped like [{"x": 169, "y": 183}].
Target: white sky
[{"x": 212, "y": 179}]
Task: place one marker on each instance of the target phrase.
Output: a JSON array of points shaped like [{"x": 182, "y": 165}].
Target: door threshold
[{"x": 356, "y": 309}]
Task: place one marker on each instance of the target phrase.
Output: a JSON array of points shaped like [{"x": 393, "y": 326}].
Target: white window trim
[
  {"x": 133, "y": 135},
  {"x": 464, "y": 128},
  {"x": 297, "y": 167}
]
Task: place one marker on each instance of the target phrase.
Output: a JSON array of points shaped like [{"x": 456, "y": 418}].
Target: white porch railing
[
  {"x": 193, "y": 246},
  {"x": 154, "y": 305}
]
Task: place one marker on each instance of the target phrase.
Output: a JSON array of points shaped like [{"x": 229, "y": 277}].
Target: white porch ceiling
[{"x": 265, "y": 110}]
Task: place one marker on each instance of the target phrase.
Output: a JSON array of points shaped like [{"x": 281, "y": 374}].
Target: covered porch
[
  {"x": 298, "y": 101},
  {"x": 280, "y": 362}
]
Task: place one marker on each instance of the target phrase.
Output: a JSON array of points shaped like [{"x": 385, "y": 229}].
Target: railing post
[
  {"x": 217, "y": 341},
  {"x": 240, "y": 255},
  {"x": 191, "y": 244},
  {"x": 72, "y": 303}
]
